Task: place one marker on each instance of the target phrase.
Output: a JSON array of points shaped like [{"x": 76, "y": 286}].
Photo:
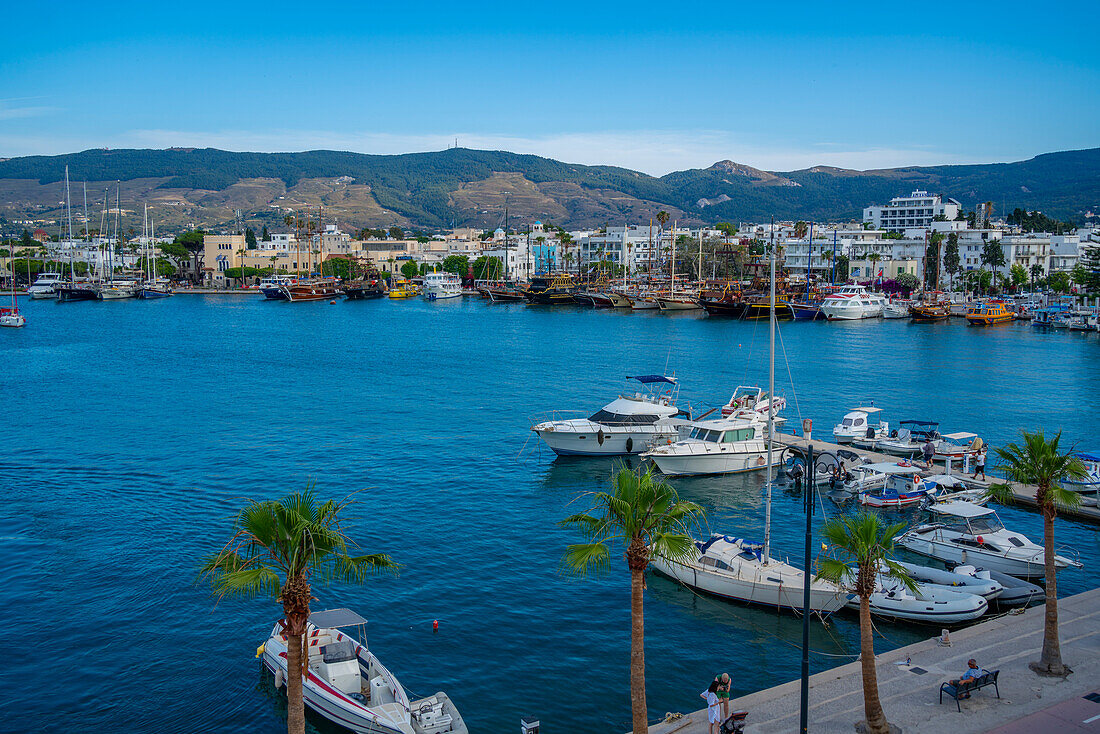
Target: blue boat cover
[
  {"x": 1089, "y": 455},
  {"x": 647, "y": 379}
]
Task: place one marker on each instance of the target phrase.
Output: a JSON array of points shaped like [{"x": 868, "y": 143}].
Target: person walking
[
  {"x": 928, "y": 451},
  {"x": 979, "y": 465},
  {"x": 714, "y": 709}
]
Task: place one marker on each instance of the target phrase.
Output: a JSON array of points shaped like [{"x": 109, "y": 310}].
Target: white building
[{"x": 916, "y": 210}]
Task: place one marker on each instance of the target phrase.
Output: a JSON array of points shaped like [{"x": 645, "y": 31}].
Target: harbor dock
[
  {"x": 910, "y": 692},
  {"x": 1024, "y": 494}
]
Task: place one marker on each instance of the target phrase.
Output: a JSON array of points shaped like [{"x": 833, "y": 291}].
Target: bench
[{"x": 964, "y": 687}]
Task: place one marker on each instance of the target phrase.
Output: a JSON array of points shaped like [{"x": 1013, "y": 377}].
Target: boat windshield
[
  {"x": 616, "y": 419},
  {"x": 847, "y": 422},
  {"x": 706, "y": 434},
  {"x": 985, "y": 524}
]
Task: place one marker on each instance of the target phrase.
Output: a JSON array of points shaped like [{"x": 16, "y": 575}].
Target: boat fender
[
  {"x": 260, "y": 650},
  {"x": 629, "y": 444},
  {"x": 599, "y": 437},
  {"x": 981, "y": 540},
  {"x": 279, "y": 678}
]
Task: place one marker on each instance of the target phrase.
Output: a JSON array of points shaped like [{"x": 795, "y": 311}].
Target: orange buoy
[{"x": 435, "y": 625}]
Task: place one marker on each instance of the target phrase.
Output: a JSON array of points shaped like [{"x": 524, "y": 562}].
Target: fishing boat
[
  {"x": 929, "y": 603},
  {"x": 988, "y": 313},
  {"x": 45, "y": 285},
  {"x": 974, "y": 581},
  {"x": 857, "y": 423},
  {"x": 440, "y": 286},
  {"x": 550, "y": 290},
  {"x": 853, "y": 302},
  {"x": 346, "y": 683},
  {"x": 626, "y": 425},
  {"x": 313, "y": 289},
  {"x": 967, "y": 533},
  {"x": 1051, "y": 316},
  {"x": 903, "y": 486}
]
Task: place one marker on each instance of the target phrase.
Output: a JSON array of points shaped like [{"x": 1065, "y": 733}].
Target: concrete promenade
[{"x": 910, "y": 694}]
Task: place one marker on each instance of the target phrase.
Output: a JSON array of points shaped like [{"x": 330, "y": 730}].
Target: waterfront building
[{"x": 918, "y": 209}]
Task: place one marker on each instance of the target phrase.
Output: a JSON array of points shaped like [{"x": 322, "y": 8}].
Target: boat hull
[
  {"x": 273, "y": 294},
  {"x": 753, "y": 588},
  {"x": 949, "y": 552},
  {"x": 729, "y": 309},
  {"x": 78, "y": 294},
  {"x": 699, "y": 464},
  {"x": 678, "y": 303},
  {"x": 614, "y": 441}
]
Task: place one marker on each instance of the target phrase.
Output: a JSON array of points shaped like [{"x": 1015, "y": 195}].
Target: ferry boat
[
  {"x": 346, "y": 683},
  {"x": 988, "y": 313},
  {"x": 550, "y": 289},
  {"x": 438, "y": 286},
  {"x": 45, "y": 285},
  {"x": 853, "y": 302}
]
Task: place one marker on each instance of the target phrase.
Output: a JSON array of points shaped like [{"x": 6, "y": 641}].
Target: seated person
[{"x": 973, "y": 671}]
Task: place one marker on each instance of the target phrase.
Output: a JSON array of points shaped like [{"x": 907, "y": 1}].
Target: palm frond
[
  {"x": 835, "y": 570},
  {"x": 584, "y": 558}
]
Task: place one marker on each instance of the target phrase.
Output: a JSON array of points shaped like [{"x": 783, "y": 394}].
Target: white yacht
[
  {"x": 966, "y": 533},
  {"x": 626, "y": 425},
  {"x": 347, "y": 684},
  {"x": 853, "y": 302},
  {"x": 719, "y": 446},
  {"x": 857, "y": 424},
  {"x": 442, "y": 285},
  {"x": 45, "y": 285},
  {"x": 736, "y": 569}
]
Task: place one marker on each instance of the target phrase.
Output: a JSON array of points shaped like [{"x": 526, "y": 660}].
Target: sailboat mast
[
  {"x": 672, "y": 236},
  {"x": 699, "y": 270},
  {"x": 771, "y": 401}
]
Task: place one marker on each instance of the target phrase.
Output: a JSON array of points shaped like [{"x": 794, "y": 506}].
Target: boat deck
[
  {"x": 1024, "y": 494},
  {"x": 909, "y": 693}
]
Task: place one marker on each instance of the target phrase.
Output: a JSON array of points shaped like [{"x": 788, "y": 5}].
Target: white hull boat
[
  {"x": 963, "y": 578},
  {"x": 45, "y": 286},
  {"x": 968, "y": 534},
  {"x": 12, "y": 319},
  {"x": 643, "y": 303},
  {"x": 1091, "y": 482},
  {"x": 347, "y": 684},
  {"x": 439, "y": 286},
  {"x": 678, "y": 303},
  {"x": 734, "y": 569},
  {"x": 626, "y": 425},
  {"x": 852, "y": 303},
  {"x": 896, "y": 310},
  {"x": 931, "y": 605},
  {"x": 728, "y": 445},
  {"x": 856, "y": 424}
]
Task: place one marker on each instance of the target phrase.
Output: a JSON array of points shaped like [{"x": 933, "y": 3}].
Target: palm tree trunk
[
  {"x": 638, "y": 709},
  {"x": 295, "y": 707},
  {"x": 872, "y": 708},
  {"x": 1051, "y": 659}
]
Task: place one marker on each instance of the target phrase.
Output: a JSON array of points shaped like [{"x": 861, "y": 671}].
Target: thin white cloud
[
  {"x": 16, "y": 113},
  {"x": 653, "y": 151}
]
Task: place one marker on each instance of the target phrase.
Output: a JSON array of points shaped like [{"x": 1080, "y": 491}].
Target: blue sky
[{"x": 657, "y": 87}]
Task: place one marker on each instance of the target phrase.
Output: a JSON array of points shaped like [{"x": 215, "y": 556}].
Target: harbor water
[{"x": 136, "y": 429}]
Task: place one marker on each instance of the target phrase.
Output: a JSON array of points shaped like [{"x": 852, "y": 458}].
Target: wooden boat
[
  {"x": 988, "y": 313},
  {"x": 318, "y": 289},
  {"x": 761, "y": 309},
  {"x": 550, "y": 290},
  {"x": 360, "y": 290},
  {"x": 929, "y": 312}
]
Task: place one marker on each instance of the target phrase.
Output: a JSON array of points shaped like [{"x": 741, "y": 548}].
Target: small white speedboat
[
  {"x": 348, "y": 685},
  {"x": 857, "y": 424},
  {"x": 626, "y": 425},
  {"x": 929, "y": 604},
  {"x": 963, "y": 578},
  {"x": 903, "y": 486},
  {"x": 719, "y": 446},
  {"x": 965, "y": 533},
  {"x": 952, "y": 488}
]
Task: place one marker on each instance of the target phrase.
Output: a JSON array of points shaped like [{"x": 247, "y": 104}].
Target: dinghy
[
  {"x": 929, "y": 604},
  {"x": 963, "y": 578},
  {"x": 1017, "y": 592}
]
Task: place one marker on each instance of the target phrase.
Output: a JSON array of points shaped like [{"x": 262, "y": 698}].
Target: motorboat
[
  {"x": 966, "y": 533},
  {"x": 930, "y": 603},
  {"x": 734, "y": 568},
  {"x": 271, "y": 286},
  {"x": 718, "y": 446},
  {"x": 347, "y": 684},
  {"x": 750, "y": 400},
  {"x": 907, "y": 441},
  {"x": 158, "y": 288},
  {"x": 902, "y": 487},
  {"x": 439, "y": 286},
  {"x": 988, "y": 313},
  {"x": 1084, "y": 321},
  {"x": 856, "y": 423},
  {"x": 952, "y": 488},
  {"x": 1053, "y": 315},
  {"x": 957, "y": 446},
  {"x": 896, "y": 309},
  {"x": 853, "y": 302},
  {"x": 1091, "y": 481},
  {"x": 626, "y": 425},
  {"x": 963, "y": 578},
  {"x": 45, "y": 285}
]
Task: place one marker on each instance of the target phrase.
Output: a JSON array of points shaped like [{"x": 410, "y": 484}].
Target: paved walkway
[{"x": 910, "y": 693}]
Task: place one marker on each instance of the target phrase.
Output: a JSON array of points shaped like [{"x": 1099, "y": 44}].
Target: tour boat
[
  {"x": 314, "y": 289},
  {"x": 347, "y": 684},
  {"x": 857, "y": 424},
  {"x": 45, "y": 285},
  {"x": 853, "y": 302},
  {"x": 720, "y": 446},
  {"x": 963, "y": 578},
  {"x": 550, "y": 290},
  {"x": 930, "y": 312},
  {"x": 439, "y": 286},
  {"x": 403, "y": 289},
  {"x": 643, "y": 302},
  {"x": 988, "y": 313},
  {"x": 505, "y": 292},
  {"x": 733, "y": 568},
  {"x": 729, "y": 303},
  {"x": 364, "y": 289},
  {"x": 626, "y": 425},
  {"x": 903, "y": 486},
  {"x": 967, "y": 533},
  {"x": 930, "y": 604},
  {"x": 678, "y": 302}
]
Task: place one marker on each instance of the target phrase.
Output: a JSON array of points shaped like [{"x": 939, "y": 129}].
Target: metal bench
[{"x": 964, "y": 687}]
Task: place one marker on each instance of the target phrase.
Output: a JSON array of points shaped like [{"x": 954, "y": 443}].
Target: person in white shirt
[{"x": 714, "y": 709}]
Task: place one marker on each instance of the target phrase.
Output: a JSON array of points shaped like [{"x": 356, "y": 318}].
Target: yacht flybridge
[
  {"x": 626, "y": 425},
  {"x": 969, "y": 534},
  {"x": 346, "y": 683}
]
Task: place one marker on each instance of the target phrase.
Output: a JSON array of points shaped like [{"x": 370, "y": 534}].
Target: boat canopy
[
  {"x": 885, "y": 468},
  {"x": 960, "y": 436},
  {"x": 919, "y": 424},
  {"x": 961, "y": 509},
  {"x": 648, "y": 379},
  {"x": 869, "y": 410},
  {"x": 334, "y": 618}
]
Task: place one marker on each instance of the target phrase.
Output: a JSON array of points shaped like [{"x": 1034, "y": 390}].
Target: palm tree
[
  {"x": 647, "y": 517},
  {"x": 277, "y": 549},
  {"x": 1039, "y": 463},
  {"x": 863, "y": 539}
]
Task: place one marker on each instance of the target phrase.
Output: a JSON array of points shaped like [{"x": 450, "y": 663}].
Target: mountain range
[{"x": 463, "y": 187}]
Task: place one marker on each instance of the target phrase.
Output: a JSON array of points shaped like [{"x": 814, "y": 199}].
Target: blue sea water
[{"x": 136, "y": 429}]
